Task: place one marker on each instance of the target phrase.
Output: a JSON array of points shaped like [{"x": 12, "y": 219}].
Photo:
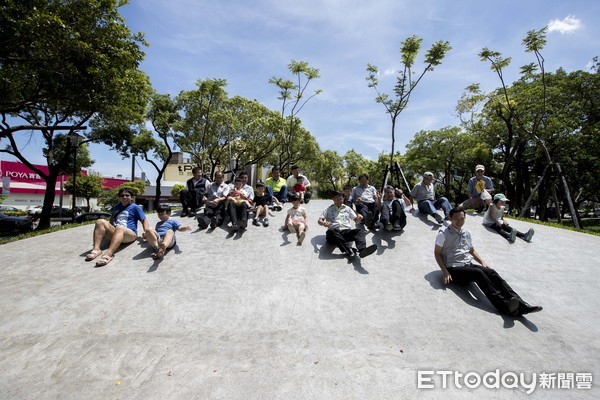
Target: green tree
[
  {"x": 64, "y": 65},
  {"x": 354, "y": 164},
  {"x": 88, "y": 187},
  {"x": 157, "y": 148},
  {"x": 449, "y": 154},
  {"x": 329, "y": 173},
  {"x": 292, "y": 93},
  {"x": 404, "y": 83},
  {"x": 108, "y": 198},
  {"x": 199, "y": 132}
]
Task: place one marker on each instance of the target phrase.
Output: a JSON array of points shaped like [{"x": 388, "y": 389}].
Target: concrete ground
[{"x": 253, "y": 316}]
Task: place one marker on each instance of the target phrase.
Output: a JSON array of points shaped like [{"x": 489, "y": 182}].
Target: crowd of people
[{"x": 362, "y": 205}]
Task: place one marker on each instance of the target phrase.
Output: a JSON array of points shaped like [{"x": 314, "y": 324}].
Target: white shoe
[{"x": 513, "y": 236}]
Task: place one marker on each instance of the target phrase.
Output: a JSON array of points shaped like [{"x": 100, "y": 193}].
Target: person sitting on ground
[
  {"x": 276, "y": 186},
  {"x": 163, "y": 237},
  {"x": 299, "y": 188},
  {"x": 120, "y": 229},
  {"x": 193, "y": 196},
  {"x": 391, "y": 209},
  {"x": 297, "y": 220},
  {"x": 293, "y": 179},
  {"x": 475, "y": 190},
  {"x": 336, "y": 218},
  {"x": 348, "y": 196},
  {"x": 261, "y": 205},
  {"x": 454, "y": 254},
  {"x": 238, "y": 204},
  {"x": 214, "y": 209},
  {"x": 365, "y": 198},
  {"x": 494, "y": 218},
  {"x": 424, "y": 194},
  {"x": 399, "y": 193}
]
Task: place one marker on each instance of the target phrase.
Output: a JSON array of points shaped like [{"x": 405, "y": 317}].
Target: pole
[
  {"x": 132, "y": 167},
  {"x": 74, "y": 183}
]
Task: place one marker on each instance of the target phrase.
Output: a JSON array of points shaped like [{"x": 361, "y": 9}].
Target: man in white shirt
[
  {"x": 424, "y": 194},
  {"x": 292, "y": 180}
]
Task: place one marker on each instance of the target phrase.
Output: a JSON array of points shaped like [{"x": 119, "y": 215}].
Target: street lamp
[{"x": 75, "y": 141}]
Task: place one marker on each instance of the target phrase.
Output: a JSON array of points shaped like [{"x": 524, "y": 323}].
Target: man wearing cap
[
  {"x": 455, "y": 255},
  {"x": 424, "y": 194},
  {"x": 475, "y": 189}
]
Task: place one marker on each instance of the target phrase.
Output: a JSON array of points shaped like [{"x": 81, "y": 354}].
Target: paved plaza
[{"x": 253, "y": 316}]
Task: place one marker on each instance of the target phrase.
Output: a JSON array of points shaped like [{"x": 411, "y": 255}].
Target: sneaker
[
  {"x": 389, "y": 227},
  {"x": 202, "y": 223},
  {"x": 397, "y": 227},
  {"x": 277, "y": 208},
  {"x": 367, "y": 251},
  {"x": 438, "y": 218},
  {"x": 255, "y": 222},
  {"x": 513, "y": 236},
  {"x": 266, "y": 222},
  {"x": 301, "y": 238},
  {"x": 235, "y": 228},
  {"x": 213, "y": 222},
  {"x": 529, "y": 234},
  {"x": 243, "y": 224}
]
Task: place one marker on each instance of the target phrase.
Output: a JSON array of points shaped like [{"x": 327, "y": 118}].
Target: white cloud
[{"x": 566, "y": 25}]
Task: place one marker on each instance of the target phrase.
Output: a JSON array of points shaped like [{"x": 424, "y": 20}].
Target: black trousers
[
  {"x": 489, "y": 281},
  {"x": 343, "y": 238},
  {"x": 505, "y": 230},
  {"x": 212, "y": 210},
  {"x": 364, "y": 208},
  {"x": 191, "y": 199},
  {"x": 398, "y": 214},
  {"x": 237, "y": 212}
]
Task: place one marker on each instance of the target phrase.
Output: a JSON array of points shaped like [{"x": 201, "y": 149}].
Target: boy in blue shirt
[{"x": 163, "y": 236}]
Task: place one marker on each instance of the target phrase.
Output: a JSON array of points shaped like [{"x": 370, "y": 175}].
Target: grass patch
[{"x": 590, "y": 226}]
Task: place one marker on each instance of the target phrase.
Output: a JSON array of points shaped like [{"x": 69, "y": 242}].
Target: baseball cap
[
  {"x": 500, "y": 197},
  {"x": 479, "y": 167}
]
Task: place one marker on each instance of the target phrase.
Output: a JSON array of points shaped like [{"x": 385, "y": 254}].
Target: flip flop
[
  {"x": 105, "y": 259},
  {"x": 92, "y": 254}
]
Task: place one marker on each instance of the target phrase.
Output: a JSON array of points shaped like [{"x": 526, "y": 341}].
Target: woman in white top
[{"x": 494, "y": 218}]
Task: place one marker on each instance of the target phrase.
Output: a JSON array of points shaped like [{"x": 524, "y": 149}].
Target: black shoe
[
  {"x": 184, "y": 213},
  {"x": 438, "y": 218},
  {"x": 513, "y": 306},
  {"x": 266, "y": 222},
  {"x": 277, "y": 208},
  {"x": 244, "y": 224},
  {"x": 235, "y": 227},
  {"x": 367, "y": 251},
  {"x": 351, "y": 253},
  {"x": 255, "y": 222},
  {"x": 213, "y": 222},
  {"x": 528, "y": 309},
  {"x": 202, "y": 223}
]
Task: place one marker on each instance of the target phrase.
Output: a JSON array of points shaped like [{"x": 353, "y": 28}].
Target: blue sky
[{"x": 248, "y": 42}]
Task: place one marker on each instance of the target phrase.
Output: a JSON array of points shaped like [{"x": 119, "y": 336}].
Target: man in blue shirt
[{"x": 121, "y": 228}]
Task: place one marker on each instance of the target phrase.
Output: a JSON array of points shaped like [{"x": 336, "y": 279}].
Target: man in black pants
[
  {"x": 336, "y": 218},
  {"x": 193, "y": 196},
  {"x": 454, "y": 254}
]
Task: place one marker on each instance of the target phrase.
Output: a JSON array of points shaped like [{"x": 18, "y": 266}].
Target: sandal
[
  {"x": 159, "y": 253},
  {"x": 105, "y": 259},
  {"x": 92, "y": 254}
]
